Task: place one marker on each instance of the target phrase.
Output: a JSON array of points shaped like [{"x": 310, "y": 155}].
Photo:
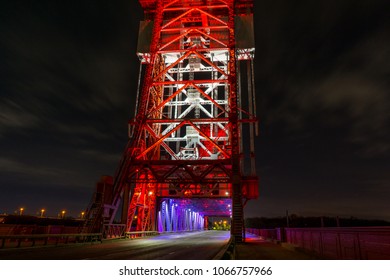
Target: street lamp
[
  {"x": 21, "y": 211},
  {"x": 63, "y": 214},
  {"x": 82, "y": 215},
  {"x": 42, "y": 212}
]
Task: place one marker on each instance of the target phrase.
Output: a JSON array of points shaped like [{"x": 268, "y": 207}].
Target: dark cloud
[
  {"x": 327, "y": 60},
  {"x": 14, "y": 116},
  {"x": 66, "y": 96},
  {"x": 20, "y": 168},
  {"x": 323, "y": 92}
]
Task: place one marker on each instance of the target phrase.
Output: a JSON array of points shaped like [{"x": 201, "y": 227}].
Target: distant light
[
  {"x": 229, "y": 206},
  {"x": 227, "y": 193},
  {"x": 150, "y": 193}
]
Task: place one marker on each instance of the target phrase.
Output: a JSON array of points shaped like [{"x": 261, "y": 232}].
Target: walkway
[{"x": 256, "y": 248}]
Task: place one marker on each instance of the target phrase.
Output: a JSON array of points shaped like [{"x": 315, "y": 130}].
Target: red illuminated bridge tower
[{"x": 190, "y": 155}]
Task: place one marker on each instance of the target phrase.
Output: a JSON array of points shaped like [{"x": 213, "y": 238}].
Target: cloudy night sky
[{"x": 69, "y": 77}]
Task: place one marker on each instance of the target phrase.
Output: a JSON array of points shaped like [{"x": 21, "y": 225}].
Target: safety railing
[
  {"x": 270, "y": 234},
  {"x": 140, "y": 234},
  {"x": 21, "y": 229},
  {"x": 17, "y": 241},
  {"x": 367, "y": 243},
  {"x": 112, "y": 231}
]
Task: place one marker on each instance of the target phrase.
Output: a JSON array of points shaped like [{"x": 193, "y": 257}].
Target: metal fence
[
  {"x": 23, "y": 240},
  {"x": 366, "y": 243},
  {"x": 10, "y": 229},
  {"x": 343, "y": 243},
  {"x": 139, "y": 234},
  {"x": 265, "y": 233}
]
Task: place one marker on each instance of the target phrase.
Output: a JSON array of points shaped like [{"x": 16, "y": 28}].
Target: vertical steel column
[{"x": 237, "y": 214}]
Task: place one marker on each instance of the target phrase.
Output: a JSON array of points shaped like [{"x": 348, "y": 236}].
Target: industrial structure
[{"x": 190, "y": 154}]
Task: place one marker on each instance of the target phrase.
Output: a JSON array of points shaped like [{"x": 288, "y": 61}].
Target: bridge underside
[
  {"x": 190, "y": 214},
  {"x": 206, "y": 206}
]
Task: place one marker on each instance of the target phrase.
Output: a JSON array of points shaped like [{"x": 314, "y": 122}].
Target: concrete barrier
[{"x": 227, "y": 252}]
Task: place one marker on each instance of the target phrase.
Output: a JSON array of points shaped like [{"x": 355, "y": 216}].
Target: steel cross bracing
[{"x": 186, "y": 137}]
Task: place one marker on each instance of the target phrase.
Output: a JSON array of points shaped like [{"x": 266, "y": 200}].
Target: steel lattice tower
[{"x": 186, "y": 140}]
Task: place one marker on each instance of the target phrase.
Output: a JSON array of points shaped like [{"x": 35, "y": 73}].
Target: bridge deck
[
  {"x": 191, "y": 245},
  {"x": 201, "y": 245}
]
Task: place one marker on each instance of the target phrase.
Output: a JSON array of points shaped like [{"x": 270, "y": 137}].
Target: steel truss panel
[{"x": 185, "y": 138}]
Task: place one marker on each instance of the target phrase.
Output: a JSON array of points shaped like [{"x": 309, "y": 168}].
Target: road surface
[{"x": 184, "y": 246}]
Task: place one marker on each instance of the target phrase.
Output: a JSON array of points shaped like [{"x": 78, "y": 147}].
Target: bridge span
[
  {"x": 297, "y": 244},
  {"x": 201, "y": 245}
]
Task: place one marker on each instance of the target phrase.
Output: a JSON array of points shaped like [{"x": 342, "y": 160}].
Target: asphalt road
[{"x": 185, "y": 246}]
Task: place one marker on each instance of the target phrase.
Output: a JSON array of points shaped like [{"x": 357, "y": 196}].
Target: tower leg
[
  {"x": 237, "y": 214},
  {"x": 125, "y": 205}
]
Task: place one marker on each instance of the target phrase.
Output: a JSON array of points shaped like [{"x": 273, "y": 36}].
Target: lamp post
[
  {"x": 63, "y": 214},
  {"x": 21, "y": 211},
  {"x": 42, "y": 212}
]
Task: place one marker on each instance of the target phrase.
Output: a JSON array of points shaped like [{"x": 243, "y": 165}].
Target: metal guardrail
[
  {"x": 139, "y": 234},
  {"x": 22, "y": 229},
  {"x": 48, "y": 239},
  {"x": 113, "y": 231},
  {"x": 269, "y": 234}
]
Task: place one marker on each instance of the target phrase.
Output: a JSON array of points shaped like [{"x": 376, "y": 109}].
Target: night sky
[{"x": 69, "y": 75}]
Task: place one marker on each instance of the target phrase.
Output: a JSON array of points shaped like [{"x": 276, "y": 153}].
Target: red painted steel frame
[
  {"x": 196, "y": 176},
  {"x": 185, "y": 139}
]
